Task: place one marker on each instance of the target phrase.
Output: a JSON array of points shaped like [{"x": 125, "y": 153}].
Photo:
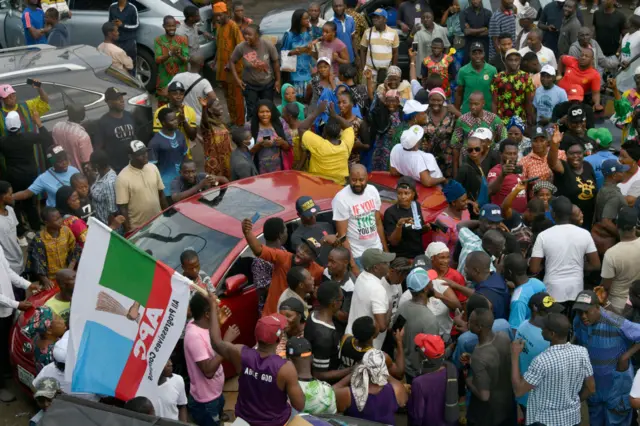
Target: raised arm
[
  {"x": 552, "y": 158},
  {"x": 254, "y": 244},
  {"x": 227, "y": 350}
]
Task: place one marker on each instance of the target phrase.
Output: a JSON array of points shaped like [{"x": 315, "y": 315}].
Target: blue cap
[
  {"x": 380, "y": 12},
  {"x": 491, "y": 212},
  {"x": 417, "y": 280},
  {"x": 612, "y": 166}
]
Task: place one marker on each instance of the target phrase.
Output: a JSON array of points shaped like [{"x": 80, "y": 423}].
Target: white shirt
[
  {"x": 171, "y": 394},
  {"x": 626, "y": 186},
  {"x": 563, "y": 248},
  {"x": 412, "y": 163},
  {"x": 631, "y": 42},
  {"x": 635, "y": 388},
  {"x": 439, "y": 309},
  {"x": 7, "y": 277},
  {"x": 393, "y": 293},
  {"x": 545, "y": 56},
  {"x": 200, "y": 90},
  {"x": 9, "y": 240},
  {"x": 360, "y": 212},
  {"x": 50, "y": 370},
  {"x": 369, "y": 298}
]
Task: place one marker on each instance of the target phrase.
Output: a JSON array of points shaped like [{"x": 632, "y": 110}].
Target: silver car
[{"x": 85, "y": 27}]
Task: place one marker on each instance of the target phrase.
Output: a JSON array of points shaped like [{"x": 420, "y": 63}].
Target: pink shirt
[
  {"x": 75, "y": 140},
  {"x": 197, "y": 347}
]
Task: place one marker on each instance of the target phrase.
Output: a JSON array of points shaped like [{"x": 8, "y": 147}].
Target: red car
[{"x": 210, "y": 224}]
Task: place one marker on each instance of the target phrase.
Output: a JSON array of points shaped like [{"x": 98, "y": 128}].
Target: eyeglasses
[{"x": 472, "y": 149}]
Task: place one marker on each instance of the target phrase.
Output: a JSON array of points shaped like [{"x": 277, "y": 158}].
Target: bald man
[
  {"x": 73, "y": 137},
  {"x": 489, "y": 284},
  {"x": 61, "y": 302}
]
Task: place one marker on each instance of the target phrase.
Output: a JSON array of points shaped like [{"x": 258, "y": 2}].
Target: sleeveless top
[
  {"x": 260, "y": 401},
  {"x": 379, "y": 408}
]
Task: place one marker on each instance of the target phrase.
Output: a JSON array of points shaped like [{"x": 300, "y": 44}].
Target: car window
[
  {"x": 101, "y": 5},
  {"x": 240, "y": 204},
  {"x": 60, "y": 96},
  {"x": 171, "y": 233}
]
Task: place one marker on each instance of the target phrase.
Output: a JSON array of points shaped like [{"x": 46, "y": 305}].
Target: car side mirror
[{"x": 234, "y": 284}]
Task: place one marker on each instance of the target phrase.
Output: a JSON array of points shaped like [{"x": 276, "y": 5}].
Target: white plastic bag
[{"x": 289, "y": 63}]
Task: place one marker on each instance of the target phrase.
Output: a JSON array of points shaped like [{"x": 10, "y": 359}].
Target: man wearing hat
[
  {"x": 187, "y": 117},
  {"x": 610, "y": 200},
  {"x": 407, "y": 159},
  {"x": 307, "y": 210},
  {"x": 572, "y": 71},
  {"x": 548, "y": 95},
  {"x": 139, "y": 188},
  {"x": 25, "y": 109},
  {"x": 470, "y": 241},
  {"x": 476, "y": 75},
  {"x": 268, "y": 386},
  {"x": 46, "y": 391},
  {"x": 575, "y": 96},
  {"x": 610, "y": 340},
  {"x": 512, "y": 91},
  {"x": 379, "y": 44},
  {"x": 370, "y": 297}
]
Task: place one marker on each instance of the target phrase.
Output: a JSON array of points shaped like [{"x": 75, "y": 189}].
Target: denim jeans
[{"x": 206, "y": 413}]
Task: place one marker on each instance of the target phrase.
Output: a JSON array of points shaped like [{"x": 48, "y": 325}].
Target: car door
[
  {"x": 85, "y": 25},
  {"x": 12, "y": 34}
]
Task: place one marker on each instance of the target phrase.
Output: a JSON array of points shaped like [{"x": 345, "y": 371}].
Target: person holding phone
[
  {"x": 506, "y": 176},
  {"x": 25, "y": 109}
]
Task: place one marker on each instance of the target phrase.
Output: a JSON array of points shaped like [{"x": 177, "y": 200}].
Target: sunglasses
[{"x": 476, "y": 149}]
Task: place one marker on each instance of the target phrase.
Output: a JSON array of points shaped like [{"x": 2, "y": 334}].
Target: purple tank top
[
  {"x": 379, "y": 408},
  {"x": 260, "y": 401}
]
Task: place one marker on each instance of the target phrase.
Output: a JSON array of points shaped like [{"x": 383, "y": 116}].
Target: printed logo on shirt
[
  {"x": 365, "y": 217},
  {"x": 586, "y": 188},
  {"x": 257, "y": 63}
]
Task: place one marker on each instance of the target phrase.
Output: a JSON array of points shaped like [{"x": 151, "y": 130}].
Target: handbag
[{"x": 289, "y": 63}]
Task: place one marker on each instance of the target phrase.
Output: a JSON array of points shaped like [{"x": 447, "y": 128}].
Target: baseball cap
[
  {"x": 431, "y": 346},
  {"x": 298, "y": 347},
  {"x": 60, "y": 348},
  {"x": 269, "y": 328},
  {"x": 612, "y": 166},
  {"x": 380, "y": 12},
  {"x": 627, "y": 218},
  {"x": 548, "y": 69},
  {"x": 306, "y": 207},
  {"x": 13, "y": 122},
  {"x": 576, "y": 114},
  {"x": 411, "y": 136},
  {"x": 422, "y": 261},
  {"x": 294, "y": 305},
  {"x": 476, "y": 46},
  {"x": 6, "y": 90},
  {"x": 111, "y": 94},
  {"x": 373, "y": 256},
  {"x": 540, "y": 133},
  {"x": 512, "y": 52},
  {"x": 585, "y": 300},
  {"x": 575, "y": 93},
  {"x": 417, "y": 280},
  {"x": 482, "y": 133},
  {"x": 412, "y": 106},
  {"x": 176, "y": 86},
  {"x": 406, "y": 182},
  {"x": 47, "y": 388},
  {"x": 602, "y": 136},
  {"x": 313, "y": 245},
  {"x": 136, "y": 147},
  {"x": 542, "y": 302},
  {"x": 491, "y": 212},
  {"x": 323, "y": 59},
  {"x": 56, "y": 152}
]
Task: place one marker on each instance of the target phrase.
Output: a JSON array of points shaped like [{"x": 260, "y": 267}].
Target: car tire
[{"x": 146, "y": 68}]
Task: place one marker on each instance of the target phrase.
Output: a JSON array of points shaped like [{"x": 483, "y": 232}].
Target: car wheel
[{"x": 146, "y": 68}]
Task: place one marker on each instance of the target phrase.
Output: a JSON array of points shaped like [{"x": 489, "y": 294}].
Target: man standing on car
[{"x": 125, "y": 16}]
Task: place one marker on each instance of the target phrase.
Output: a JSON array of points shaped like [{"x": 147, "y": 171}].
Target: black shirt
[
  {"x": 580, "y": 189},
  {"x": 350, "y": 354},
  {"x": 498, "y": 62},
  {"x": 561, "y": 109},
  {"x": 325, "y": 341},
  {"x": 410, "y": 244},
  {"x": 114, "y": 135},
  {"x": 20, "y": 164},
  {"x": 475, "y": 21},
  {"x": 552, "y": 14},
  {"x": 608, "y": 30},
  {"x": 317, "y": 231},
  {"x": 408, "y": 12}
]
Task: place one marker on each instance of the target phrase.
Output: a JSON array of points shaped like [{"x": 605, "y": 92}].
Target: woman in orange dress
[{"x": 216, "y": 140}]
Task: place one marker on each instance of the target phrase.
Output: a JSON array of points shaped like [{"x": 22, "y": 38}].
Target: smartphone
[
  {"x": 533, "y": 179},
  {"x": 266, "y": 138},
  {"x": 414, "y": 46},
  {"x": 255, "y": 217},
  {"x": 33, "y": 83},
  {"x": 400, "y": 322}
]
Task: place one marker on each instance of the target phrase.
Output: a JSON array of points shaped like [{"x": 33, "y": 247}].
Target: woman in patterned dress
[
  {"x": 216, "y": 139},
  {"x": 272, "y": 150},
  {"x": 45, "y": 328},
  {"x": 360, "y": 127},
  {"x": 439, "y": 63},
  {"x": 384, "y": 138},
  {"x": 438, "y": 131}
]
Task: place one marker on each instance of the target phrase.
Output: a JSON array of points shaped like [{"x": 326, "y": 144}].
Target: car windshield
[
  {"x": 240, "y": 204},
  {"x": 168, "y": 235}
]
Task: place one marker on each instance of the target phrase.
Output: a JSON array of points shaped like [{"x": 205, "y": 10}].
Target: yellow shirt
[
  {"x": 328, "y": 160},
  {"x": 139, "y": 189},
  {"x": 35, "y": 104},
  {"x": 59, "y": 307}
]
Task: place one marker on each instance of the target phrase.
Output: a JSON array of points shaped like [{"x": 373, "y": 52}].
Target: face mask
[{"x": 251, "y": 143}]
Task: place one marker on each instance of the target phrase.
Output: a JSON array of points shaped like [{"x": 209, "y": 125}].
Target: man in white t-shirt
[
  {"x": 563, "y": 248},
  {"x": 171, "y": 402},
  {"x": 544, "y": 54},
  {"x": 196, "y": 86},
  {"x": 370, "y": 298},
  {"x": 356, "y": 212},
  {"x": 407, "y": 159}
]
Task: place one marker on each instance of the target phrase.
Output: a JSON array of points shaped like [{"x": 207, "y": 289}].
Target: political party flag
[{"x": 127, "y": 314}]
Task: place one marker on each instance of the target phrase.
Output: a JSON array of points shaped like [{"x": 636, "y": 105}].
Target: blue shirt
[
  {"x": 50, "y": 181},
  {"x": 167, "y": 153},
  {"x": 544, "y": 100},
  {"x": 520, "y": 301},
  {"x": 596, "y": 161},
  {"x": 534, "y": 345},
  {"x": 345, "y": 32},
  {"x": 33, "y": 18},
  {"x": 467, "y": 341}
]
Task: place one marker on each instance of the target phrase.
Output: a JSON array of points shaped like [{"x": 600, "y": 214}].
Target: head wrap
[
  {"x": 39, "y": 323},
  {"x": 453, "y": 190},
  {"x": 436, "y": 248},
  {"x": 544, "y": 184},
  {"x": 220, "y": 7},
  {"x": 373, "y": 369},
  {"x": 438, "y": 91},
  {"x": 394, "y": 71},
  {"x": 517, "y": 122}
]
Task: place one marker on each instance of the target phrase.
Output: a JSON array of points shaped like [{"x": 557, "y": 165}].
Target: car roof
[{"x": 44, "y": 59}]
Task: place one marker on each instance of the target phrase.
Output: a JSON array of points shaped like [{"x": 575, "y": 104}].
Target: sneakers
[
  {"x": 594, "y": 8},
  {"x": 6, "y": 396}
]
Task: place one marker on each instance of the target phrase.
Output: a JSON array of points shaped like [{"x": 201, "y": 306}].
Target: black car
[{"x": 76, "y": 74}]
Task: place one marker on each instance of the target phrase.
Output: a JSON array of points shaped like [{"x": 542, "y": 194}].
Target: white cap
[
  {"x": 411, "y": 136},
  {"x": 137, "y": 146},
  {"x": 436, "y": 248},
  {"x": 60, "y": 348},
  {"x": 412, "y": 106},
  {"x": 13, "y": 122},
  {"x": 548, "y": 69},
  {"x": 482, "y": 133},
  {"x": 323, "y": 59}
]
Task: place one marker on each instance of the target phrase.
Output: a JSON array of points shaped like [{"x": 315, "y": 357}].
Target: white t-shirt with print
[
  {"x": 412, "y": 163},
  {"x": 171, "y": 394},
  {"x": 630, "y": 46},
  {"x": 369, "y": 298},
  {"x": 360, "y": 212}
]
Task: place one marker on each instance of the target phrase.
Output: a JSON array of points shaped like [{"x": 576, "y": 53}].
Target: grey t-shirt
[
  {"x": 9, "y": 240},
  {"x": 419, "y": 319},
  {"x": 258, "y": 69},
  {"x": 609, "y": 201}
]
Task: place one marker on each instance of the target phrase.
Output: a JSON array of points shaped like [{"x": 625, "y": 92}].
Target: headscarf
[
  {"x": 439, "y": 91},
  {"x": 453, "y": 190},
  {"x": 373, "y": 369},
  {"x": 220, "y": 7},
  {"x": 436, "y": 248},
  {"x": 39, "y": 323},
  {"x": 284, "y": 103},
  {"x": 517, "y": 122},
  {"x": 544, "y": 184},
  {"x": 62, "y": 201},
  {"x": 404, "y": 88},
  {"x": 394, "y": 70}
]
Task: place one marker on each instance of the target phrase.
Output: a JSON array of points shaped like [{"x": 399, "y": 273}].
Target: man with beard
[
  {"x": 191, "y": 182},
  {"x": 167, "y": 148},
  {"x": 115, "y": 131},
  {"x": 356, "y": 212},
  {"x": 283, "y": 261}
]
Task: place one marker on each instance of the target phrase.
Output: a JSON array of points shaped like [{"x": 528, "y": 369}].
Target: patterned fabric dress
[
  {"x": 216, "y": 144},
  {"x": 46, "y": 255},
  {"x": 384, "y": 144},
  {"x": 440, "y": 67},
  {"x": 228, "y": 36},
  {"x": 78, "y": 227},
  {"x": 172, "y": 66},
  {"x": 437, "y": 138},
  {"x": 512, "y": 91},
  {"x": 354, "y": 158}
]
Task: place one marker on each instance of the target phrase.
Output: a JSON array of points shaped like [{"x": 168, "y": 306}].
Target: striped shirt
[
  {"x": 501, "y": 22},
  {"x": 557, "y": 375},
  {"x": 103, "y": 195},
  {"x": 380, "y": 46}
]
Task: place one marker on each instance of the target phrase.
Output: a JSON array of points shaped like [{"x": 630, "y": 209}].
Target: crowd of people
[{"x": 521, "y": 299}]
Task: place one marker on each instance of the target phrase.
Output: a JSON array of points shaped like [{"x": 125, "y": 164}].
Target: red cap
[
  {"x": 432, "y": 346},
  {"x": 269, "y": 328},
  {"x": 575, "y": 93}
]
